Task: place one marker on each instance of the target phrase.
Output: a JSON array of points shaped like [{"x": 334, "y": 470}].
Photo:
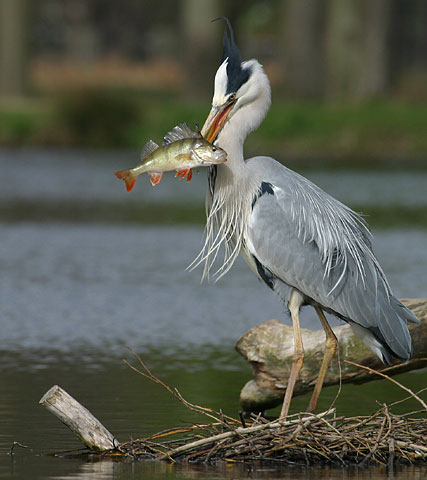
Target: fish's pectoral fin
[
  {"x": 189, "y": 175},
  {"x": 155, "y": 178},
  {"x": 128, "y": 177},
  {"x": 182, "y": 173}
]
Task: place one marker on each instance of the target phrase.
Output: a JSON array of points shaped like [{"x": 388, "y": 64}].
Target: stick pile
[
  {"x": 305, "y": 439},
  {"x": 381, "y": 439}
]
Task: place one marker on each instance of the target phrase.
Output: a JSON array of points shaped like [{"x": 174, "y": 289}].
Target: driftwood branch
[
  {"x": 269, "y": 348},
  {"x": 78, "y": 419}
]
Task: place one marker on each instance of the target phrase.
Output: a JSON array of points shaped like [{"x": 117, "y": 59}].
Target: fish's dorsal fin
[
  {"x": 180, "y": 132},
  {"x": 148, "y": 148},
  {"x": 198, "y": 132}
]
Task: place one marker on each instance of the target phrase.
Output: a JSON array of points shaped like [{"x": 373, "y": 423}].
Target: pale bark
[
  {"x": 269, "y": 348},
  {"x": 78, "y": 419}
]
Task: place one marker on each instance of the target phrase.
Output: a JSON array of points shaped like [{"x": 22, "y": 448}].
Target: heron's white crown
[{"x": 220, "y": 85}]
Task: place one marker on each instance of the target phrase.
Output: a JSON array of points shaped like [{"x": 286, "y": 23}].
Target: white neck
[
  {"x": 229, "y": 207},
  {"x": 250, "y": 110}
]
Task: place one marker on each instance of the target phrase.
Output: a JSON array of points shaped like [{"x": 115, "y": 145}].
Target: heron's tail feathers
[
  {"x": 409, "y": 316},
  {"x": 392, "y": 330},
  {"x": 128, "y": 177},
  {"x": 388, "y": 336}
]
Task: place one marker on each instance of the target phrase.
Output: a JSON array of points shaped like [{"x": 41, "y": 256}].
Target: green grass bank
[{"x": 380, "y": 133}]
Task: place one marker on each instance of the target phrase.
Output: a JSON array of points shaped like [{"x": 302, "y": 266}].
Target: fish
[{"x": 182, "y": 150}]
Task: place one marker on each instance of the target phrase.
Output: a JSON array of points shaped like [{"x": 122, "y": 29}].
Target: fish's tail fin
[{"x": 128, "y": 177}]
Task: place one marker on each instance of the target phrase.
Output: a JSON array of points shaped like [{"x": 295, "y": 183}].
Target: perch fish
[{"x": 182, "y": 150}]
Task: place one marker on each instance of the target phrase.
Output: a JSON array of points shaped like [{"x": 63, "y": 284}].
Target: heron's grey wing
[{"x": 289, "y": 234}]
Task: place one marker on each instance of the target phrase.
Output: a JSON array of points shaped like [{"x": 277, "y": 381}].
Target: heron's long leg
[
  {"x": 331, "y": 345},
  {"x": 294, "y": 305}
]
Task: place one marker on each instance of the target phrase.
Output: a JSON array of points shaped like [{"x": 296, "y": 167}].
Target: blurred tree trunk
[
  {"x": 408, "y": 38},
  {"x": 375, "y": 62},
  {"x": 201, "y": 53},
  {"x": 357, "y": 48},
  {"x": 81, "y": 35},
  {"x": 302, "y": 52},
  {"x": 13, "y": 47}
]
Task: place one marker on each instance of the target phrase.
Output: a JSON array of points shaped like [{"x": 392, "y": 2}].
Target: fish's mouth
[{"x": 216, "y": 120}]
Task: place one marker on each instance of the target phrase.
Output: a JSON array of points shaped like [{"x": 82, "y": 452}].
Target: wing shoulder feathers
[
  {"x": 341, "y": 235},
  {"x": 330, "y": 241}
]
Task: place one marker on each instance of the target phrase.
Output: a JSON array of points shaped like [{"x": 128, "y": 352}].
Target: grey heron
[{"x": 308, "y": 247}]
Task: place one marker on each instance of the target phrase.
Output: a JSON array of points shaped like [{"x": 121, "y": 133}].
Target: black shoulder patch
[{"x": 265, "y": 188}]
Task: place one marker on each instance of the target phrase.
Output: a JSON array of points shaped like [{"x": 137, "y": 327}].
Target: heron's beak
[{"x": 215, "y": 121}]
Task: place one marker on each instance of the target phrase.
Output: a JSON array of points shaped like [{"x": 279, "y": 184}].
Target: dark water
[{"x": 75, "y": 293}]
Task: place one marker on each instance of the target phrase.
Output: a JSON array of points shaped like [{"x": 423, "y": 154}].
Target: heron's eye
[{"x": 232, "y": 97}]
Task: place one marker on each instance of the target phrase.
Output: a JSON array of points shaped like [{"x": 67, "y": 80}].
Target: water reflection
[{"x": 154, "y": 470}]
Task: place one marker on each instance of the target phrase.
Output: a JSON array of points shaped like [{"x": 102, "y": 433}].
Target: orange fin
[
  {"x": 189, "y": 175},
  {"x": 155, "y": 178},
  {"x": 182, "y": 173},
  {"x": 128, "y": 177}
]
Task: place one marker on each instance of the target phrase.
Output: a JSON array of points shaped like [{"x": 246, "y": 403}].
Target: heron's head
[{"x": 242, "y": 94}]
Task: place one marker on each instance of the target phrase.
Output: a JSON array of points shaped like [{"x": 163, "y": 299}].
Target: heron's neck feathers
[{"x": 227, "y": 211}]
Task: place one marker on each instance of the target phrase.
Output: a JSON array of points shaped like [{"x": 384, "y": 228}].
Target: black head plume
[{"x": 235, "y": 74}]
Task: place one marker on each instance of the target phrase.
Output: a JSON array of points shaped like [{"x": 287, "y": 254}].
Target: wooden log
[
  {"x": 269, "y": 348},
  {"x": 78, "y": 419}
]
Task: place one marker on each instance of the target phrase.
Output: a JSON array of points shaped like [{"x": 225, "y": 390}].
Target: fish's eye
[{"x": 214, "y": 148}]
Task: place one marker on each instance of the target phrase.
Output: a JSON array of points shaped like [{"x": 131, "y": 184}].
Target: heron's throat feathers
[{"x": 228, "y": 212}]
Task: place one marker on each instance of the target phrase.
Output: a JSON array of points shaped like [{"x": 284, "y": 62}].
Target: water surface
[{"x": 75, "y": 293}]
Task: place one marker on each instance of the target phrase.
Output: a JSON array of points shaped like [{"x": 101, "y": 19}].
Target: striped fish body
[{"x": 182, "y": 150}]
